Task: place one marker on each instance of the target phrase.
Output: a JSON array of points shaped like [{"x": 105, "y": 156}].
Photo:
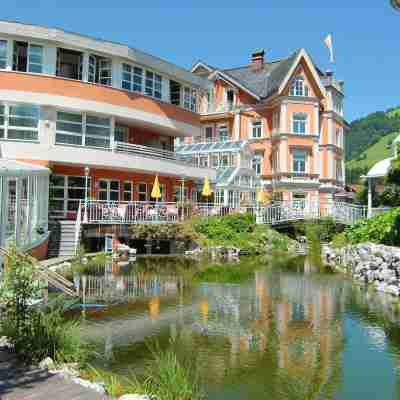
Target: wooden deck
[{"x": 22, "y": 383}]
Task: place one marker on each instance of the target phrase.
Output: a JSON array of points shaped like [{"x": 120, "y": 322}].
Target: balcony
[
  {"x": 283, "y": 178},
  {"x": 221, "y": 107},
  {"x": 145, "y": 151}
]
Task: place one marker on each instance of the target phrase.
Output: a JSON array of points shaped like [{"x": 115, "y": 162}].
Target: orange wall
[
  {"x": 88, "y": 91},
  {"x": 122, "y": 176}
]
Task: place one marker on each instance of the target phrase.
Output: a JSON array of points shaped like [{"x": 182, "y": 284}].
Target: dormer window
[
  {"x": 230, "y": 98},
  {"x": 299, "y": 88}
]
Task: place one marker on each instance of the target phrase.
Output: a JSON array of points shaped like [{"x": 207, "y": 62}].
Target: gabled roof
[
  {"x": 270, "y": 78},
  {"x": 266, "y": 80}
]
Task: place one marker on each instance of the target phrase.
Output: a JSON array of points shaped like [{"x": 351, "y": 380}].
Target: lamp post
[{"x": 85, "y": 215}]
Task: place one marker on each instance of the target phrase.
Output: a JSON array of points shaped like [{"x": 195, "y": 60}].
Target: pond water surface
[{"x": 281, "y": 333}]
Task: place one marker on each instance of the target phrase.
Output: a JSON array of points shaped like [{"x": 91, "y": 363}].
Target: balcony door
[{"x": 108, "y": 190}]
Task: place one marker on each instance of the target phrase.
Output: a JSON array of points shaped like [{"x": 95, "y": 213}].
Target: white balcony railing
[
  {"x": 136, "y": 212},
  {"x": 145, "y": 151},
  {"x": 295, "y": 177}
]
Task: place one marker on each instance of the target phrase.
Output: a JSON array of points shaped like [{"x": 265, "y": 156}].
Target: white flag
[{"x": 329, "y": 44}]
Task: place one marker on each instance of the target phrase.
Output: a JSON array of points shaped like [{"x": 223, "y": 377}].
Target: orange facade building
[{"x": 290, "y": 113}]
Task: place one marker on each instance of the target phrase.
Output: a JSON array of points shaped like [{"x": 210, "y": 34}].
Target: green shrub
[
  {"x": 35, "y": 332},
  {"x": 383, "y": 228},
  {"x": 241, "y": 231}
]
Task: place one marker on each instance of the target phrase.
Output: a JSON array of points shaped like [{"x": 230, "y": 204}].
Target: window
[
  {"x": 2, "y": 121},
  {"x": 208, "y": 134},
  {"x": 178, "y": 192},
  {"x": 98, "y": 131},
  {"x": 299, "y": 88},
  {"x": 299, "y": 162},
  {"x": 175, "y": 92},
  {"x": 128, "y": 191},
  {"x": 83, "y": 129},
  {"x": 256, "y": 129},
  {"x": 337, "y": 101},
  {"x": 28, "y": 57},
  {"x": 230, "y": 98},
  {"x": 203, "y": 160},
  {"x": 132, "y": 78},
  {"x": 100, "y": 70},
  {"x": 108, "y": 190},
  {"x": 65, "y": 193},
  {"x": 339, "y": 137},
  {"x": 121, "y": 134},
  {"x": 300, "y": 123},
  {"x": 3, "y": 54},
  {"x": 339, "y": 171},
  {"x": 19, "y": 122},
  {"x": 219, "y": 196},
  {"x": 215, "y": 160},
  {"x": 70, "y": 64},
  {"x": 142, "y": 191},
  {"x": 224, "y": 160},
  {"x": 275, "y": 122},
  {"x": 223, "y": 133},
  {"x": 69, "y": 128},
  {"x": 257, "y": 164},
  {"x": 153, "y": 86}
]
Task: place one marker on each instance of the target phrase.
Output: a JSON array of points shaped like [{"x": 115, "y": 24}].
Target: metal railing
[
  {"x": 78, "y": 227},
  {"x": 137, "y": 212},
  {"x": 145, "y": 151},
  {"x": 289, "y": 211},
  {"x": 295, "y": 177}
]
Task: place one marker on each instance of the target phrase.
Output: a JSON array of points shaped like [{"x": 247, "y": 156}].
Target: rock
[
  {"x": 47, "y": 363},
  {"x": 96, "y": 386},
  {"x": 134, "y": 397},
  {"x": 4, "y": 342}
]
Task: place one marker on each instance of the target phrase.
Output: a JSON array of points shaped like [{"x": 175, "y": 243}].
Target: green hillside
[
  {"x": 366, "y": 132},
  {"x": 378, "y": 151}
]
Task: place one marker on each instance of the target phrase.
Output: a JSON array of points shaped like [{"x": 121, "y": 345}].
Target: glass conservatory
[
  {"x": 236, "y": 181},
  {"x": 23, "y": 204}
]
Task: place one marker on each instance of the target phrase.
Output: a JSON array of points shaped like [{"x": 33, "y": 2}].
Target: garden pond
[{"x": 274, "y": 330}]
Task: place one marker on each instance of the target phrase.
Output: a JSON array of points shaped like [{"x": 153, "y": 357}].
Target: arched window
[{"x": 299, "y": 88}]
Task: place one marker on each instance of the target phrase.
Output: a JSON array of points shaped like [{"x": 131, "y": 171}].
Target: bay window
[
  {"x": 153, "y": 85},
  {"x": 256, "y": 129},
  {"x": 299, "y": 162},
  {"x": 300, "y": 123},
  {"x": 298, "y": 87},
  {"x": 220, "y": 196},
  {"x": 83, "y": 130},
  {"x": 19, "y": 122},
  {"x": 3, "y": 54}
]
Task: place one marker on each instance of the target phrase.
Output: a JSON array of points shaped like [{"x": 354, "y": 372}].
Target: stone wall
[{"x": 369, "y": 263}]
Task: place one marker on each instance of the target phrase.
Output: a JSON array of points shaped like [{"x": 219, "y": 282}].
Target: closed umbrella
[
  {"x": 206, "y": 192},
  {"x": 156, "y": 192}
]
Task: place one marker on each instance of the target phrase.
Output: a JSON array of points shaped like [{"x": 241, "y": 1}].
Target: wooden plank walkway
[{"x": 24, "y": 383}]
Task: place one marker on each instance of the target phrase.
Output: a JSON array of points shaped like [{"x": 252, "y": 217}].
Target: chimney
[{"x": 257, "y": 59}]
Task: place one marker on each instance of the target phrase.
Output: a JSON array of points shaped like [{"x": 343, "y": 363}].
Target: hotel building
[{"x": 105, "y": 117}]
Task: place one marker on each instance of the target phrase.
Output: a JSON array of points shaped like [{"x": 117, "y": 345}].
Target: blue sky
[{"x": 224, "y": 33}]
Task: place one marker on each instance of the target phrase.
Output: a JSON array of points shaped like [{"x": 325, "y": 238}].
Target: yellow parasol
[
  {"x": 260, "y": 196},
  {"x": 206, "y": 192},
  {"x": 156, "y": 192}
]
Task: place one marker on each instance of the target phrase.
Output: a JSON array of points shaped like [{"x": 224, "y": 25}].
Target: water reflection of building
[{"x": 294, "y": 317}]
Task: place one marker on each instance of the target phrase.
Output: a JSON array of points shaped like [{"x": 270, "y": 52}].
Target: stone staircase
[{"x": 62, "y": 239}]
